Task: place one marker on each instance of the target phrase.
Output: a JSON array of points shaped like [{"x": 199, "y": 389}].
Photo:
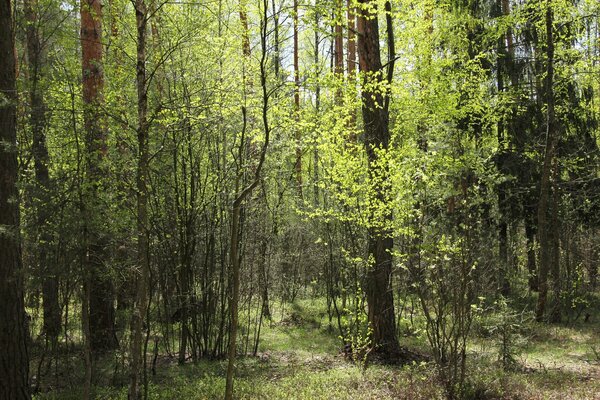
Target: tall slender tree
[
  {"x": 98, "y": 287},
  {"x": 351, "y": 60},
  {"x": 14, "y": 359},
  {"x": 241, "y": 194},
  {"x": 36, "y": 57},
  {"x": 338, "y": 48},
  {"x": 375, "y": 113},
  {"x": 298, "y": 163},
  {"x": 351, "y": 63},
  {"x": 545, "y": 185},
  {"x": 503, "y": 283},
  {"x": 142, "y": 272}
]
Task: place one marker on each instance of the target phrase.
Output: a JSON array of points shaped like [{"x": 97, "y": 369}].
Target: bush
[{"x": 507, "y": 326}]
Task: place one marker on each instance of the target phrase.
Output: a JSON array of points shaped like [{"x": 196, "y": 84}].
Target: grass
[{"x": 299, "y": 359}]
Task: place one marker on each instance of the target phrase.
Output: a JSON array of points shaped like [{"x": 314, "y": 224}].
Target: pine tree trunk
[
  {"x": 377, "y": 136},
  {"x": 14, "y": 360},
  {"x": 101, "y": 309}
]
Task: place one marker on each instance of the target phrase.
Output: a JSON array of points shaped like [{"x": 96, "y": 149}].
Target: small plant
[
  {"x": 575, "y": 299},
  {"x": 444, "y": 286},
  {"x": 357, "y": 332},
  {"x": 506, "y": 327}
]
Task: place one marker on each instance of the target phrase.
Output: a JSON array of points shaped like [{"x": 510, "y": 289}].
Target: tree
[
  {"x": 338, "y": 47},
  {"x": 142, "y": 271},
  {"x": 98, "y": 287},
  {"x": 503, "y": 283},
  {"x": 241, "y": 193},
  {"x": 194, "y": 234},
  {"x": 298, "y": 162},
  {"x": 14, "y": 359},
  {"x": 375, "y": 112},
  {"x": 544, "y": 228},
  {"x": 36, "y": 55}
]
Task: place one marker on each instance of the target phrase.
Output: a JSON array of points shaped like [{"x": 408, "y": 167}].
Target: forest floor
[{"x": 299, "y": 358}]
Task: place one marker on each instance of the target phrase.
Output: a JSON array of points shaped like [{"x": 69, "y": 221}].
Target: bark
[
  {"x": 14, "y": 359},
  {"x": 37, "y": 121},
  {"x": 377, "y": 136},
  {"x": 101, "y": 309},
  {"x": 143, "y": 251}
]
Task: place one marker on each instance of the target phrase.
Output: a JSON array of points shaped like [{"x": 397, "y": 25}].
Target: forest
[{"x": 275, "y": 199}]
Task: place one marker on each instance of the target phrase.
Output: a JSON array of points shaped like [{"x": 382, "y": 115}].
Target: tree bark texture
[
  {"x": 101, "y": 308},
  {"x": 377, "y": 136},
  {"x": 14, "y": 359}
]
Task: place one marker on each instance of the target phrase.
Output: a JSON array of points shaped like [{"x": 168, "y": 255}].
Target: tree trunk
[
  {"x": 531, "y": 264},
  {"x": 503, "y": 283},
  {"x": 377, "y": 136},
  {"x": 351, "y": 65},
  {"x": 276, "y": 58},
  {"x": 241, "y": 195},
  {"x": 37, "y": 120},
  {"x": 338, "y": 55},
  {"x": 351, "y": 14},
  {"x": 14, "y": 360},
  {"x": 545, "y": 184},
  {"x": 263, "y": 277},
  {"x": 554, "y": 241},
  {"x": 101, "y": 309},
  {"x": 143, "y": 251},
  {"x": 298, "y": 164},
  {"x": 315, "y": 160},
  {"x": 234, "y": 260}
]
